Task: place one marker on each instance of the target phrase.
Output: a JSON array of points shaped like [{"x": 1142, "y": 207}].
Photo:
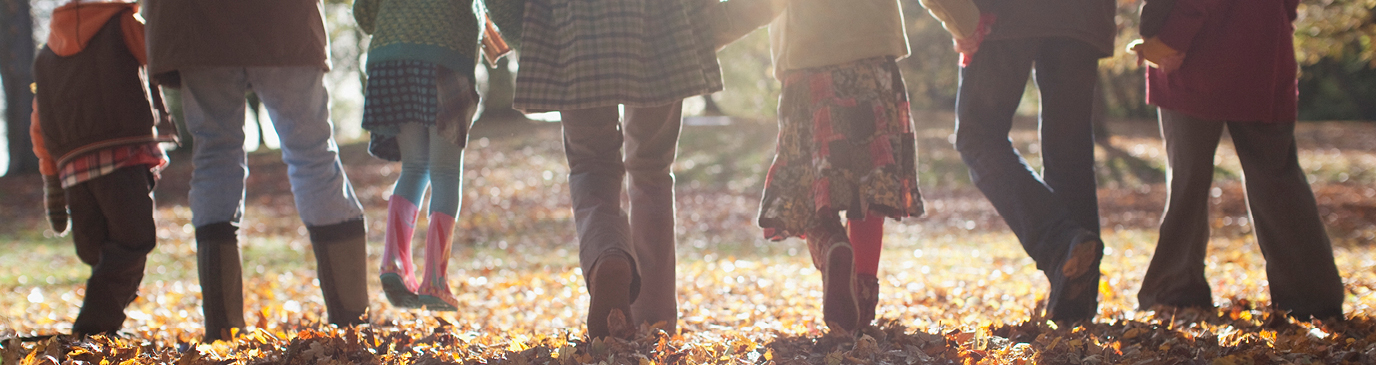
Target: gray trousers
[
  {"x": 593, "y": 141},
  {"x": 1299, "y": 257}
]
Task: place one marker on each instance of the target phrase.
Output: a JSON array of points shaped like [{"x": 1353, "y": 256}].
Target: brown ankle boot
[
  {"x": 867, "y": 294},
  {"x": 833, "y": 255},
  {"x": 839, "y": 307}
]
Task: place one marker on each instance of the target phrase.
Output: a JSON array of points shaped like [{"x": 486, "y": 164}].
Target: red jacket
[{"x": 1239, "y": 61}]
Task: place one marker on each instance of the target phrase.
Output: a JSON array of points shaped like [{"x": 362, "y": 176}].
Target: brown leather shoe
[
  {"x": 1075, "y": 282},
  {"x": 610, "y": 288}
]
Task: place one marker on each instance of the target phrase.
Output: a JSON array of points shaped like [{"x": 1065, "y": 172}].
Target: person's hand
[
  {"x": 1132, "y": 48},
  {"x": 969, "y": 45},
  {"x": 55, "y": 199},
  {"x": 1157, "y": 54},
  {"x": 1171, "y": 62}
]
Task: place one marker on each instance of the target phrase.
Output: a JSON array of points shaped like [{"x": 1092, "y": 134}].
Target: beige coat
[
  {"x": 814, "y": 33},
  {"x": 960, "y": 17},
  {"x": 218, "y": 33}
]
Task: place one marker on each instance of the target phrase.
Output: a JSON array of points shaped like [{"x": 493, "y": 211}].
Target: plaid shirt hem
[{"x": 100, "y": 163}]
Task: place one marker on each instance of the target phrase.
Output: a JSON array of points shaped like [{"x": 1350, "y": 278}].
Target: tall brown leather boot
[
  {"x": 222, "y": 289},
  {"x": 341, "y": 256}
]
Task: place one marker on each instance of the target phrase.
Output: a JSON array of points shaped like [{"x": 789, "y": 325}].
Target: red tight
[{"x": 867, "y": 239}]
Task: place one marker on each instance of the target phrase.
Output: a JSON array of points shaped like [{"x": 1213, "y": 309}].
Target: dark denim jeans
[{"x": 1043, "y": 210}]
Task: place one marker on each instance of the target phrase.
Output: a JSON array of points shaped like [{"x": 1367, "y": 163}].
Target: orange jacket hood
[{"x": 75, "y": 23}]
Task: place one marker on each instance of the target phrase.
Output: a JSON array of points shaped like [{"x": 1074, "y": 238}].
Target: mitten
[
  {"x": 56, "y": 199},
  {"x": 959, "y": 17},
  {"x": 493, "y": 45},
  {"x": 969, "y": 45}
]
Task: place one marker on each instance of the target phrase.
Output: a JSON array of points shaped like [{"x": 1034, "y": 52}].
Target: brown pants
[
  {"x": 1299, "y": 258},
  {"x": 593, "y": 141},
  {"x": 112, "y": 226}
]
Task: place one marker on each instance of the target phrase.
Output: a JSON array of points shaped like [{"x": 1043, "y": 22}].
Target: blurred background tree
[
  {"x": 1334, "y": 42},
  {"x": 16, "y": 57}
]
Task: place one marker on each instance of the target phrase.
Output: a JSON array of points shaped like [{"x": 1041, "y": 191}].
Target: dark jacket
[
  {"x": 1154, "y": 13},
  {"x": 234, "y": 33},
  {"x": 91, "y": 91},
  {"x": 1239, "y": 61},
  {"x": 1090, "y": 21}
]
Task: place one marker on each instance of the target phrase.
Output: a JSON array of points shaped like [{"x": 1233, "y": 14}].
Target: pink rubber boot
[
  {"x": 434, "y": 286},
  {"x": 398, "y": 272}
]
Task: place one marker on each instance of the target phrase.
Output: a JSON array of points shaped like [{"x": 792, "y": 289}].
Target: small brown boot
[
  {"x": 834, "y": 257},
  {"x": 867, "y": 294},
  {"x": 839, "y": 307}
]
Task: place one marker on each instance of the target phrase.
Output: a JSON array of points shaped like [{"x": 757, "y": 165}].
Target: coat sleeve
[
  {"x": 733, "y": 19},
  {"x": 1185, "y": 20},
  {"x": 1153, "y": 17},
  {"x": 960, "y": 17},
  {"x": 54, "y": 196},
  {"x": 365, "y": 14},
  {"x": 46, "y": 165}
]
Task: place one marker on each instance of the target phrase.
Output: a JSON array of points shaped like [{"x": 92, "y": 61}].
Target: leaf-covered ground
[{"x": 956, "y": 286}]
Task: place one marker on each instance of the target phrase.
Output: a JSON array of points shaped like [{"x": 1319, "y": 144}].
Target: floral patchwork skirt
[{"x": 846, "y": 143}]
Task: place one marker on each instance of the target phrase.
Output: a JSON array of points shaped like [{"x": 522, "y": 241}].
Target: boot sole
[
  {"x": 1068, "y": 297},
  {"x": 397, "y": 293},
  {"x": 434, "y": 303},
  {"x": 1080, "y": 258},
  {"x": 839, "y": 306}
]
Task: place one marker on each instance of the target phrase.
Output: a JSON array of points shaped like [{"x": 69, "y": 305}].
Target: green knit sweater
[{"x": 443, "y": 32}]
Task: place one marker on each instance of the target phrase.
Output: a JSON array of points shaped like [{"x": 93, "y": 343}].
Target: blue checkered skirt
[{"x": 410, "y": 91}]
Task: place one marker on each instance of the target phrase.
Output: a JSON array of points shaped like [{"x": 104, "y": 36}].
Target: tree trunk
[{"x": 16, "y": 69}]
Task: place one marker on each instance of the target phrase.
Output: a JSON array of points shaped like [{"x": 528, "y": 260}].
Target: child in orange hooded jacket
[{"x": 95, "y": 130}]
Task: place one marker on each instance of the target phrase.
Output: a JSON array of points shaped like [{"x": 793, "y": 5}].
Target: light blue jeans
[
  {"x": 428, "y": 158},
  {"x": 296, "y": 100}
]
